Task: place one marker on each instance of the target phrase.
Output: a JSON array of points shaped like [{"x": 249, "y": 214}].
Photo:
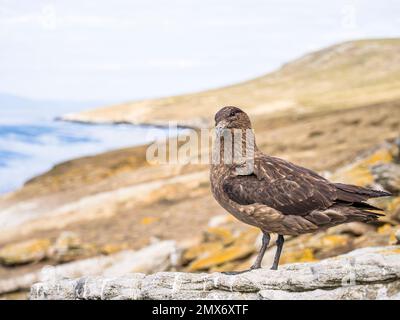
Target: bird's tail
[
  {"x": 351, "y": 213},
  {"x": 353, "y": 199},
  {"x": 351, "y": 193}
]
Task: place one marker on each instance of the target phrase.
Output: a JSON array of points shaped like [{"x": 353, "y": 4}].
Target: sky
[{"x": 122, "y": 50}]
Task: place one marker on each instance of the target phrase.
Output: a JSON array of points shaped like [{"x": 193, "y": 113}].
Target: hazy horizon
[{"x": 84, "y": 51}]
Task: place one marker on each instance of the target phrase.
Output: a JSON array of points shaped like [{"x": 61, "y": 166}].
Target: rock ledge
[{"x": 369, "y": 273}]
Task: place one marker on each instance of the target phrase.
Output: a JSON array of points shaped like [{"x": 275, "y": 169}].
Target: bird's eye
[{"x": 232, "y": 113}]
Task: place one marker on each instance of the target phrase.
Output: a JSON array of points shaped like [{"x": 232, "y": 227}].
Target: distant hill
[
  {"x": 351, "y": 74},
  {"x": 11, "y": 101}
]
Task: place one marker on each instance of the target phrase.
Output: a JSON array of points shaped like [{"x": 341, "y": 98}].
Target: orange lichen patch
[
  {"x": 385, "y": 229},
  {"x": 360, "y": 173},
  {"x": 219, "y": 234},
  {"x": 393, "y": 238},
  {"x": 113, "y": 248},
  {"x": 394, "y": 204},
  {"x": 148, "y": 220},
  {"x": 226, "y": 267},
  {"x": 395, "y": 235},
  {"x": 361, "y": 176},
  {"x": 67, "y": 240},
  {"x": 380, "y": 156},
  {"x": 201, "y": 250},
  {"x": 24, "y": 252},
  {"x": 248, "y": 236},
  {"x": 69, "y": 246},
  {"x": 226, "y": 255},
  {"x": 335, "y": 240},
  {"x": 393, "y": 251},
  {"x": 305, "y": 255}
]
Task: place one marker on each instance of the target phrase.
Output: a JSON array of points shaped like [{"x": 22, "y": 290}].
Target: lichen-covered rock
[
  {"x": 369, "y": 273},
  {"x": 201, "y": 250},
  {"x": 360, "y": 172},
  {"x": 355, "y": 229},
  {"x": 222, "y": 247},
  {"x": 68, "y": 247},
  {"x": 24, "y": 252},
  {"x": 157, "y": 257},
  {"x": 388, "y": 176},
  {"x": 111, "y": 248},
  {"x": 219, "y": 257},
  {"x": 221, "y": 234},
  {"x": 301, "y": 255}
]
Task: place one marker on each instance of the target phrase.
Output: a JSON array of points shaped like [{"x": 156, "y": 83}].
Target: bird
[{"x": 275, "y": 195}]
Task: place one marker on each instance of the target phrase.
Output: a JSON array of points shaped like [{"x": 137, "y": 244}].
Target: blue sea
[{"x": 32, "y": 141}]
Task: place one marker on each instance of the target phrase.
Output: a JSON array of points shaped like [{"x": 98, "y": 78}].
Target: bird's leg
[
  {"x": 265, "y": 242},
  {"x": 257, "y": 264},
  {"x": 279, "y": 246}
]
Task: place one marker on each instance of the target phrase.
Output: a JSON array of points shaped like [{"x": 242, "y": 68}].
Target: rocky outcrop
[
  {"x": 369, "y": 273},
  {"x": 24, "y": 252},
  {"x": 157, "y": 257}
]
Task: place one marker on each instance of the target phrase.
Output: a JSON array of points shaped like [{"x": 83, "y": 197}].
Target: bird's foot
[{"x": 232, "y": 273}]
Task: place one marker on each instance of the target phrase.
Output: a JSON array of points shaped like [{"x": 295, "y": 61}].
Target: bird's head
[
  {"x": 235, "y": 141},
  {"x": 232, "y": 118}
]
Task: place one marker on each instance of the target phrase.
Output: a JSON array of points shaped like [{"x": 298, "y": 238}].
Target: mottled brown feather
[{"x": 281, "y": 185}]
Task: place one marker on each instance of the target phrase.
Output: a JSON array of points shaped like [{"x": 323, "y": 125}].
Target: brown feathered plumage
[{"x": 278, "y": 196}]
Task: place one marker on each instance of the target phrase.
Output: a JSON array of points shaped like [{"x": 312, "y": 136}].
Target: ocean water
[{"x": 31, "y": 142}]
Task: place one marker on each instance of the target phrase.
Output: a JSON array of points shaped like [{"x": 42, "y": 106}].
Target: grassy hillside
[{"x": 347, "y": 75}]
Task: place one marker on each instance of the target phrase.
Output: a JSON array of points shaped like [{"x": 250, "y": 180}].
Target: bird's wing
[{"x": 281, "y": 185}]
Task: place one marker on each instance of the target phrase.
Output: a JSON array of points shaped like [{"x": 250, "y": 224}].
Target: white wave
[{"x": 59, "y": 142}]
